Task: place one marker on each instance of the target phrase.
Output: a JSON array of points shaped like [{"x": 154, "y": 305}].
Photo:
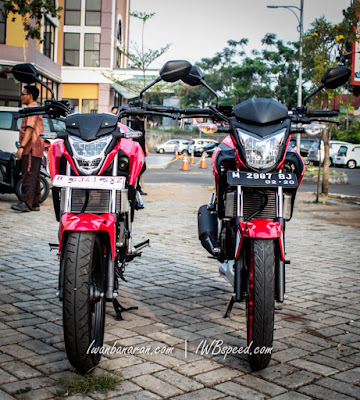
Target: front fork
[{"x": 239, "y": 258}]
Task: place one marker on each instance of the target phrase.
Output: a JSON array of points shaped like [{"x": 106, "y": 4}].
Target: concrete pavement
[{"x": 181, "y": 302}]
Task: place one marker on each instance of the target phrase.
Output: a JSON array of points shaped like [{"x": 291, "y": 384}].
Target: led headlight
[
  {"x": 89, "y": 156},
  {"x": 261, "y": 153}
]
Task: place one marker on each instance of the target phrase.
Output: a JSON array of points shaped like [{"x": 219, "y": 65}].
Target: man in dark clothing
[
  {"x": 30, "y": 152},
  {"x": 138, "y": 124}
]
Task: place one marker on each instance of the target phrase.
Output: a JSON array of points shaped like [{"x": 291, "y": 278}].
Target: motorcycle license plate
[
  {"x": 269, "y": 179},
  {"x": 90, "y": 182}
]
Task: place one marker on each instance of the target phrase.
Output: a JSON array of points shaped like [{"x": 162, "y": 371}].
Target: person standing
[
  {"x": 30, "y": 152},
  {"x": 138, "y": 124}
]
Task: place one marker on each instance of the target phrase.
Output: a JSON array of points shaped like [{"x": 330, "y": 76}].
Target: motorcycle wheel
[
  {"x": 260, "y": 304},
  {"x": 44, "y": 189},
  {"x": 84, "y": 299}
]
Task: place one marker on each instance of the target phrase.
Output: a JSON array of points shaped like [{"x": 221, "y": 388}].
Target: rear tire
[
  {"x": 260, "y": 303},
  {"x": 84, "y": 299},
  {"x": 44, "y": 188},
  {"x": 351, "y": 164}
]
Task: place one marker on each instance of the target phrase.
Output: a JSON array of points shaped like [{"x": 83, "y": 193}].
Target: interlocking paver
[{"x": 181, "y": 297}]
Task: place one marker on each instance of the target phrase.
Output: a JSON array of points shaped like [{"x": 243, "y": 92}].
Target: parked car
[
  {"x": 317, "y": 151},
  {"x": 182, "y": 146},
  {"x": 348, "y": 155},
  {"x": 305, "y": 144},
  {"x": 9, "y": 128},
  {"x": 167, "y": 147},
  {"x": 197, "y": 145},
  {"x": 208, "y": 149}
]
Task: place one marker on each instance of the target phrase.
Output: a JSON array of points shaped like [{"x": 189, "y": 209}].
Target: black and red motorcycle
[{"x": 256, "y": 181}]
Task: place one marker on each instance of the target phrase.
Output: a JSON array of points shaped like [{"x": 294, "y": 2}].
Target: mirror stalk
[
  {"x": 313, "y": 93},
  {"x": 211, "y": 90},
  {"x": 158, "y": 79}
]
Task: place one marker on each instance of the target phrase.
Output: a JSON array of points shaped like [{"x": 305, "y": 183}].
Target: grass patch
[
  {"x": 87, "y": 384},
  {"x": 311, "y": 171},
  {"x": 325, "y": 203}
]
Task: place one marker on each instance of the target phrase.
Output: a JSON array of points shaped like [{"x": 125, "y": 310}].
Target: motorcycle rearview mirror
[
  {"x": 314, "y": 129},
  {"x": 172, "y": 71},
  {"x": 195, "y": 78},
  {"x": 27, "y": 73},
  {"x": 207, "y": 128},
  {"x": 333, "y": 78}
]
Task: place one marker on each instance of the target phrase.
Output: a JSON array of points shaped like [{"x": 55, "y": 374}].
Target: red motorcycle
[
  {"x": 94, "y": 169},
  {"x": 256, "y": 180}
]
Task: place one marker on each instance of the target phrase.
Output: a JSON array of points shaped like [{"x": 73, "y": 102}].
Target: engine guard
[
  {"x": 261, "y": 229},
  {"x": 90, "y": 223}
]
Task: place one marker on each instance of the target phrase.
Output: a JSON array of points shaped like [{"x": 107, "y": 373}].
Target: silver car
[{"x": 167, "y": 147}]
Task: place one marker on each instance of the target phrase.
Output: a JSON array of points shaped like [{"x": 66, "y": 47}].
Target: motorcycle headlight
[
  {"x": 89, "y": 156},
  {"x": 261, "y": 153}
]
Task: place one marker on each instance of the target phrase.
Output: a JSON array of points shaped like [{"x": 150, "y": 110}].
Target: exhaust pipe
[{"x": 207, "y": 229}]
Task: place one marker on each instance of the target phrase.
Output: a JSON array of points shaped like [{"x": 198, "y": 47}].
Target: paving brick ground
[{"x": 181, "y": 297}]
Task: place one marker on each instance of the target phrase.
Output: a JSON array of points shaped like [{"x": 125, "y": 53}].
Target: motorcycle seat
[{"x": 91, "y": 126}]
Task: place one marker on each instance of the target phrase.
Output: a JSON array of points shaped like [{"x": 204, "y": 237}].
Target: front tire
[
  {"x": 260, "y": 302},
  {"x": 161, "y": 151},
  {"x": 84, "y": 299}
]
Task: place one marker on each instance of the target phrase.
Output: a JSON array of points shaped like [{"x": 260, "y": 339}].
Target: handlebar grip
[
  {"x": 31, "y": 110},
  {"x": 321, "y": 113},
  {"x": 196, "y": 111}
]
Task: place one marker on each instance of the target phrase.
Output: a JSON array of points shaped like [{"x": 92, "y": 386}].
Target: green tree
[{"x": 323, "y": 46}]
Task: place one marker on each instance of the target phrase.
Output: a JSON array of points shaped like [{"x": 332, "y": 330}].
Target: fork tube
[
  {"x": 280, "y": 264},
  {"x": 239, "y": 261},
  {"x": 112, "y": 204},
  {"x": 67, "y": 205}
]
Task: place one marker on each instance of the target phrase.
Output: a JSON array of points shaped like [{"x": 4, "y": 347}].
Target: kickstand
[
  {"x": 120, "y": 309},
  {"x": 230, "y": 306}
]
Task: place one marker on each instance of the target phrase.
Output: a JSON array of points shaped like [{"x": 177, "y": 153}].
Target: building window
[
  {"x": 72, "y": 12},
  {"x": 93, "y": 13},
  {"x": 89, "y": 106},
  {"x": 2, "y": 25},
  {"x": 74, "y": 104},
  {"x": 49, "y": 39},
  {"x": 92, "y": 50},
  {"x": 71, "y": 49}
]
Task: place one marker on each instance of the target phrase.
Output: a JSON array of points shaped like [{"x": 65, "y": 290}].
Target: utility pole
[{"x": 299, "y": 16}]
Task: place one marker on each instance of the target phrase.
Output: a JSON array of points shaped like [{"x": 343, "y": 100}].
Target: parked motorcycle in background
[
  {"x": 94, "y": 170},
  {"x": 11, "y": 175},
  {"x": 256, "y": 181}
]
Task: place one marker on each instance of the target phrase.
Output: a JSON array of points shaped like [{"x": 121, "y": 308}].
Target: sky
[{"x": 200, "y": 28}]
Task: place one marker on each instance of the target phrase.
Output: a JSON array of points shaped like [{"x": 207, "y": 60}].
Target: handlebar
[
  {"x": 32, "y": 110},
  {"x": 321, "y": 113}
]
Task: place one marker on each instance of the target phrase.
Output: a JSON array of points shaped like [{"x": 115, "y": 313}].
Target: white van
[
  {"x": 317, "y": 151},
  {"x": 9, "y": 128},
  {"x": 348, "y": 155}
]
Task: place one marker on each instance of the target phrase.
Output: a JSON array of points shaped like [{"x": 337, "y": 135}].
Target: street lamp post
[{"x": 300, "y": 29}]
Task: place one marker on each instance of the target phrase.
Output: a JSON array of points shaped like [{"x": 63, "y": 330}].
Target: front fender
[
  {"x": 90, "y": 223},
  {"x": 261, "y": 229}
]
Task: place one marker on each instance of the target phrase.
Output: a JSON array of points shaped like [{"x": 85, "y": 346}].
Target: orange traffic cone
[
  {"x": 185, "y": 164},
  {"x": 177, "y": 156},
  {"x": 192, "y": 158},
  {"x": 203, "y": 161}
]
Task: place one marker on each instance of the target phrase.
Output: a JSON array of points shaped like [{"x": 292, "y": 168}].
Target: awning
[{"x": 124, "y": 91}]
